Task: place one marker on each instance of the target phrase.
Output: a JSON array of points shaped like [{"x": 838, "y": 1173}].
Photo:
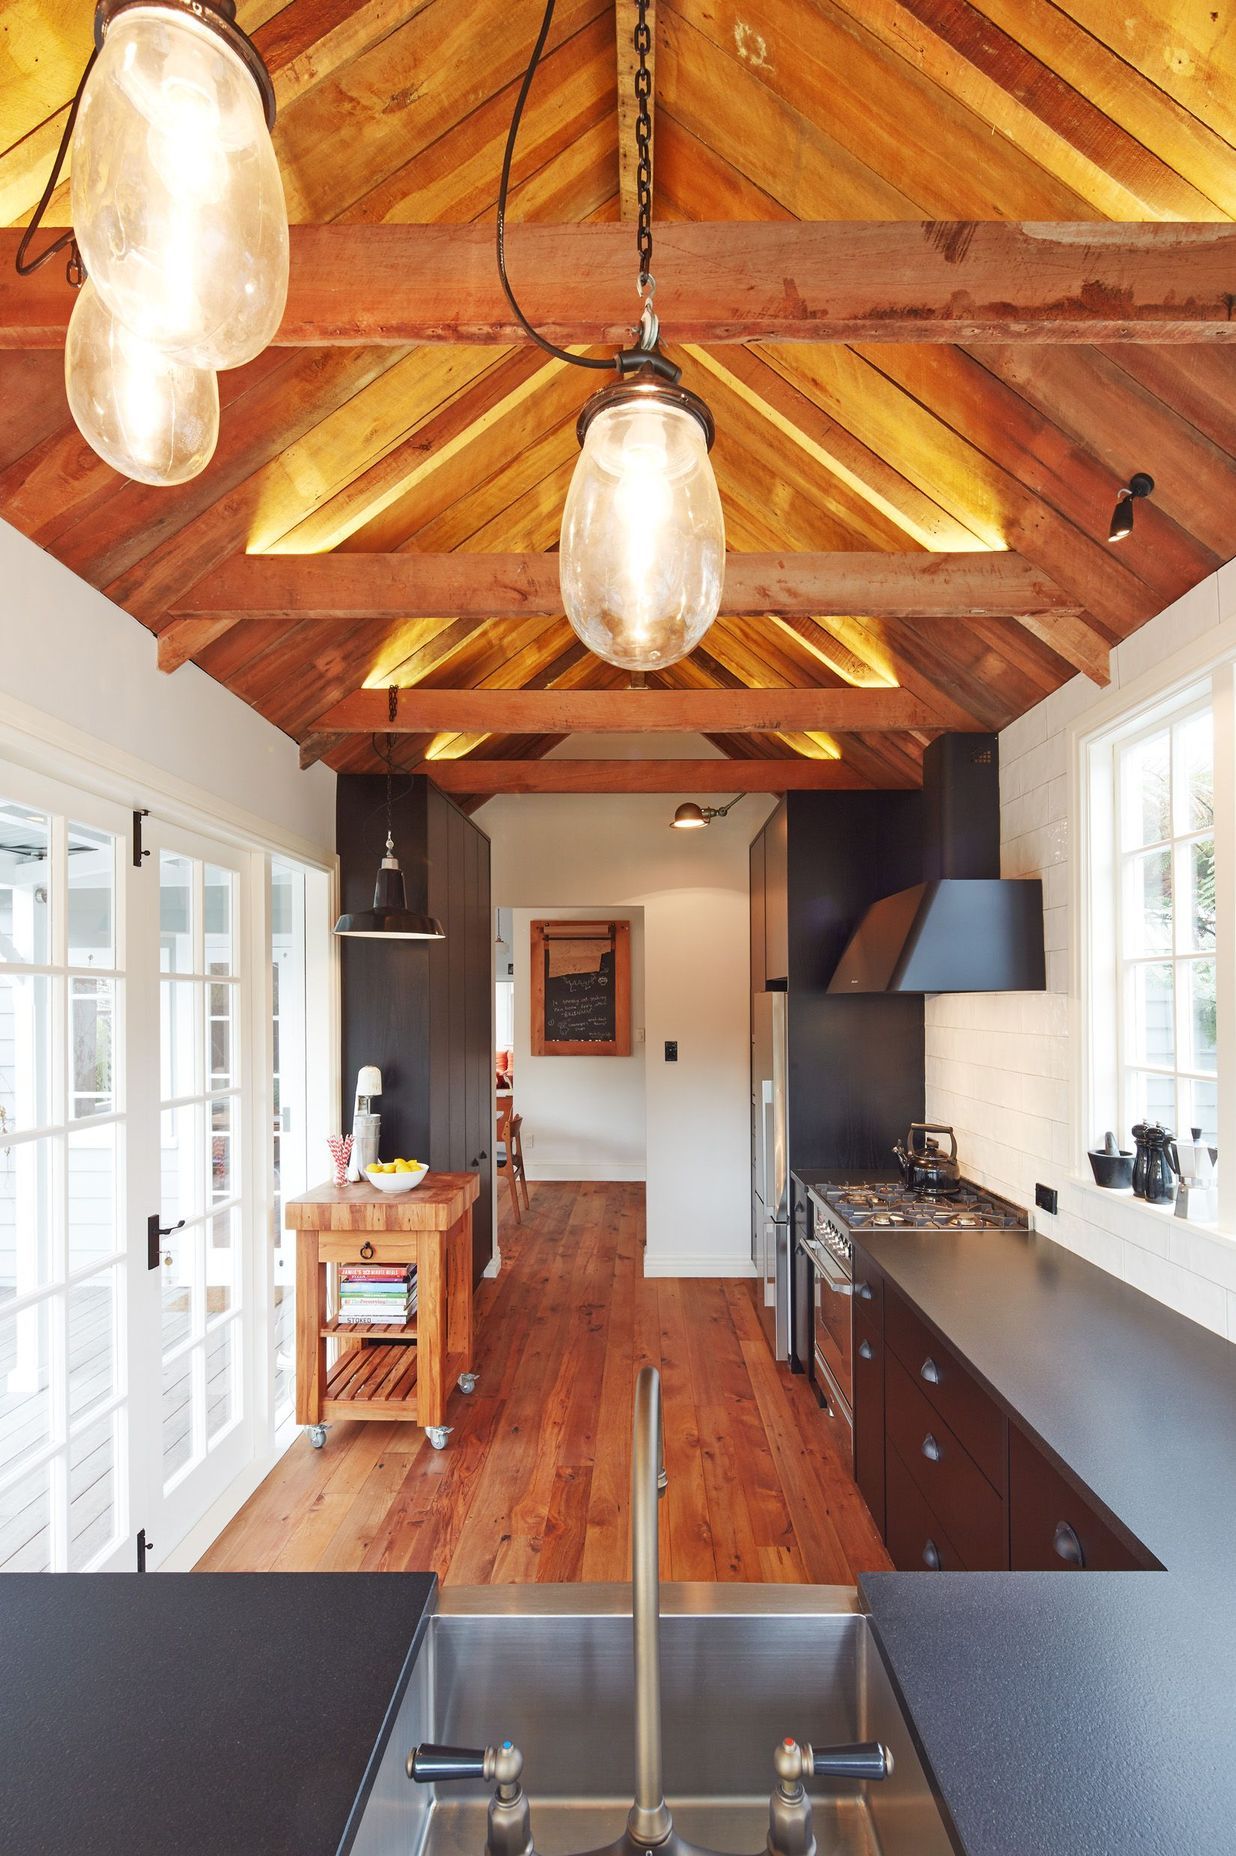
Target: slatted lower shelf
[{"x": 373, "y": 1382}]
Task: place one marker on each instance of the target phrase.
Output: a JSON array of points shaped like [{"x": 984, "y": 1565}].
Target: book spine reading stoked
[{"x": 377, "y": 1294}]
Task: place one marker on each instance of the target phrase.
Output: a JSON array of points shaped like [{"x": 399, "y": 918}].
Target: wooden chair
[{"x": 509, "y": 1154}]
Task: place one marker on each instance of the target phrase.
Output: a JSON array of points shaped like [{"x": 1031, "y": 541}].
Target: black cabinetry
[
  {"x": 855, "y": 1065},
  {"x": 423, "y": 1011}
]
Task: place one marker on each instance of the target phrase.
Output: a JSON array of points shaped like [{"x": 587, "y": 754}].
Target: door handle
[{"x": 155, "y": 1231}]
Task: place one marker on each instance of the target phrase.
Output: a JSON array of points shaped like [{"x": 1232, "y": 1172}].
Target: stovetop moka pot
[{"x": 925, "y": 1168}]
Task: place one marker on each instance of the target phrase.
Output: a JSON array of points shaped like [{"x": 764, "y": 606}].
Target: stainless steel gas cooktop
[{"x": 885, "y": 1206}]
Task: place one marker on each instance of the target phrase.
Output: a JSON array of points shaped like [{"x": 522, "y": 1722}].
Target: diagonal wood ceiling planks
[{"x": 393, "y": 113}]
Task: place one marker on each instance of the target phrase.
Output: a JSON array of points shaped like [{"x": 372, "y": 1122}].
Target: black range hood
[{"x": 964, "y": 928}]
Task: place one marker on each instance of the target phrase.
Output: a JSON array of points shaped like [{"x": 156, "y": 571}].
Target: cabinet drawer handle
[
  {"x": 931, "y": 1449},
  {"x": 865, "y": 1292},
  {"x": 865, "y": 1350},
  {"x": 931, "y": 1556},
  {"x": 930, "y": 1372},
  {"x": 1068, "y": 1546}
]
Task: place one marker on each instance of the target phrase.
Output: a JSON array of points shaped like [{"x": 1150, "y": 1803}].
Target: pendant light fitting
[
  {"x": 179, "y": 227},
  {"x": 642, "y": 548},
  {"x": 390, "y": 918}
]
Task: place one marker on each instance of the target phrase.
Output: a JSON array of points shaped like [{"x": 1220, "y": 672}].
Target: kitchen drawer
[
  {"x": 869, "y": 1419},
  {"x": 947, "y": 1474},
  {"x": 1054, "y": 1529},
  {"x": 974, "y": 1417},
  {"x": 914, "y": 1536}
]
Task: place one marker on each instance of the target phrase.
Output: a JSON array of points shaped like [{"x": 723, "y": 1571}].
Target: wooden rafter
[
  {"x": 779, "y": 281},
  {"x": 423, "y": 710},
  {"x": 562, "y": 775},
  {"x": 995, "y": 584}
]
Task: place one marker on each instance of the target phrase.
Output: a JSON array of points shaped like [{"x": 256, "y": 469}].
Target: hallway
[{"x": 533, "y": 1485}]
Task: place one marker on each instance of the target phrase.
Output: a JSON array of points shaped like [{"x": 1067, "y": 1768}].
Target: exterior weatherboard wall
[{"x": 1006, "y": 1070}]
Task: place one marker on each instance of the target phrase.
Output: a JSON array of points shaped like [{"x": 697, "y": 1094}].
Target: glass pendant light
[
  {"x": 154, "y": 419},
  {"x": 642, "y": 553},
  {"x": 178, "y": 204},
  {"x": 642, "y": 547}
]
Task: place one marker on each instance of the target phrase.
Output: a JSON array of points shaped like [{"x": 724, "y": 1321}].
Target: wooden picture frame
[{"x": 584, "y": 1008}]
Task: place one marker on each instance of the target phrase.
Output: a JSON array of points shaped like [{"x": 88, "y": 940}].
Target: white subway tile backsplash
[{"x": 1202, "y": 1301}]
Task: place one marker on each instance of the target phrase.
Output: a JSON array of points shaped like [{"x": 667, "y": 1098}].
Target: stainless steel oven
[{"x": 832, "y": 1337}]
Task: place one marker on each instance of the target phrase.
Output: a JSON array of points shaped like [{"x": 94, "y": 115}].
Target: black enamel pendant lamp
[
  {"x": 642, "y": 548},
  {"x": 390, "y": 918},
  {"x": 179, "y": 241}
]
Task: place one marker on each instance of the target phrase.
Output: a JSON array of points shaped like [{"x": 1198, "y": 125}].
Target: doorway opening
[{"x": 582, "y": 1117}]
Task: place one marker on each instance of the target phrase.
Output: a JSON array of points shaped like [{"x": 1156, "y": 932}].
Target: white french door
[
  {"x": 127, "y": 1369},
  {"x": 193, "y": 1171}
]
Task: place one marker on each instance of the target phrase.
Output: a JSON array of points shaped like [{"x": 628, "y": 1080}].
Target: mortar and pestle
[{"x": 1112, "y": 1166}]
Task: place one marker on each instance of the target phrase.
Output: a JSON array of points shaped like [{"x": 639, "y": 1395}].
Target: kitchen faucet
[{"x": 650, "y": 1827}]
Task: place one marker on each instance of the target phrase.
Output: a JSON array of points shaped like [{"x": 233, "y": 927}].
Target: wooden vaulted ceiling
[{"x": 393, "y": 112}]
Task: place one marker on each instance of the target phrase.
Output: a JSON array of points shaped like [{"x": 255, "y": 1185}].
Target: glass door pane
[
  {"x": 195, "y": 1318},
  {"x": 65, "y": 1499}
]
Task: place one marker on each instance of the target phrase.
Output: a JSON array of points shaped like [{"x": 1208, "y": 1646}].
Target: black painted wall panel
[{"x": 422, "y": 1011}]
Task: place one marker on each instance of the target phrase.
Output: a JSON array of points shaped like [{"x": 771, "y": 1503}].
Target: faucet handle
[
  {"x": 429, "y": 1765},
  {"x": 865, "y": 1759}
]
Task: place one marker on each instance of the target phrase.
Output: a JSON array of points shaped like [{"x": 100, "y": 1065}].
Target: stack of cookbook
[{"x": 377, "y": 1294}]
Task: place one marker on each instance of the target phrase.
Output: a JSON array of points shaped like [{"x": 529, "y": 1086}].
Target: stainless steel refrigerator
[{"x": 770, "y": 1149}]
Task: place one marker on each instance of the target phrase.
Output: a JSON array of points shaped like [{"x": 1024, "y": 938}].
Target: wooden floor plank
[{"x": 535, "y": 1482}]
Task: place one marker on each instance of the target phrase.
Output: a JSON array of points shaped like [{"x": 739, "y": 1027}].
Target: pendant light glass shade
[
  {"x": 177, "y": 200},
  {"x": 643, "y": 536},
  {"x": 153, "y": 419}
]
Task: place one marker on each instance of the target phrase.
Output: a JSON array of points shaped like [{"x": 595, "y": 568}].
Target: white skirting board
[{"x": 698, "y": 1266}]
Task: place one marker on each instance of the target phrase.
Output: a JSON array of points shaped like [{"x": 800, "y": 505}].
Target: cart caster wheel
[
  {"x": 438, "y": 1434},
  {"x": 467, "y": 1382},
  {"x": 317, "y": 1435}
]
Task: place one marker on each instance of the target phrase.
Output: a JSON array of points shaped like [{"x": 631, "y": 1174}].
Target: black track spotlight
[{"x": 1141, "y": 483}]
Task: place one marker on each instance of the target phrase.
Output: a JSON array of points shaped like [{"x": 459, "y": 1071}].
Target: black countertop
[
  {"x": 1093, "y": 1714},
  {"x": 212, "y": 1714}
]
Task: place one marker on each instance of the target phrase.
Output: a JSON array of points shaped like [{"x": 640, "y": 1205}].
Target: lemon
[{"x": 402, "y": 1166}]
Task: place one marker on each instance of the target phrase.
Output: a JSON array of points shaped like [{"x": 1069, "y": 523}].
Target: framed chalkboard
[{"x": 581, "y": 989}]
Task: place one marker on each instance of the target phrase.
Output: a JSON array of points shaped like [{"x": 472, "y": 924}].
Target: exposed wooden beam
[
  {"x": 780, "y": 281},
  {"x": 564, "y": 712},
  {"x": 382, "y": 587},
  {"x": 554, "y": 775}
]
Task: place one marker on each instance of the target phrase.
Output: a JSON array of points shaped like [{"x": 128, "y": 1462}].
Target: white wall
[
  {"x": 68, "y": 654},
  {"x": 583, "y": 1117},
  {"x": 616, "y": 851},
  {"x": 1003, "y": 1069}
]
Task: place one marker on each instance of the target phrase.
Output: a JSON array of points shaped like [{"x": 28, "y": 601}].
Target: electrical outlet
[
  {"x": 671, "y": 1050},
  {"x": 1046, "y": 1198}
]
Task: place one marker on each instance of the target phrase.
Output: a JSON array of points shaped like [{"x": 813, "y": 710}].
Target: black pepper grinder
[
  {"x": 1141, "y": 1144},
  {"x": 1160, "y": 1186}
]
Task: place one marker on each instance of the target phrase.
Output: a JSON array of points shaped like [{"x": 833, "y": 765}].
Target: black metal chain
[{"x": 642, "y": 39}]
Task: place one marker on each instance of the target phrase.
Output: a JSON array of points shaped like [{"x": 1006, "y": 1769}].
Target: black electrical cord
[
  {"x": 67, "y": 240},
  {"x": 559, "y": 354}
]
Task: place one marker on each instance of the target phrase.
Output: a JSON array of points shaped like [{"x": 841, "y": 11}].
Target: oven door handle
[{"x": 839, "y": 1288}]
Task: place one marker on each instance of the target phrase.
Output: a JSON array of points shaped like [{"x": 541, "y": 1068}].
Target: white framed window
[{"x": 1159, "y": 918}]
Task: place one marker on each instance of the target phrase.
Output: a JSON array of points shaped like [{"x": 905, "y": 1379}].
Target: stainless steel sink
[{"x": 550, "y": 1668}]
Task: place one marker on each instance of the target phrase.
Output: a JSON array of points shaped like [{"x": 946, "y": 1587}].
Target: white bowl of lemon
[{"x": 395, "y": 1175}]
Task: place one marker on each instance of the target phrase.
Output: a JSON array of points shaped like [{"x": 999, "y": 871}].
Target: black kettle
[
  {"x": 1153, "y": 1165},
  {"x": 925, "y": 1169}
]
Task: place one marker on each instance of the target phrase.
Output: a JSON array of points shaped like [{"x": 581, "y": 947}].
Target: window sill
[{"x": 1159, "y": 1217}]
